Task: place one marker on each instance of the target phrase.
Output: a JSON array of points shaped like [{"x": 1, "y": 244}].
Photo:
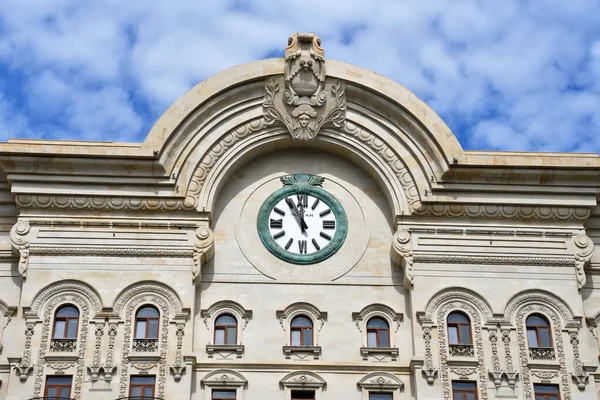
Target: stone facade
[{"x": 171, "y": 223}]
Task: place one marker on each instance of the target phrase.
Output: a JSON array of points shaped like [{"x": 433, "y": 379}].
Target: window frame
[
  {"x": 458, "y": 325},
  {"x": 225, "y": 328},
  {"x": 546, "y": 395},
  {"x": 537, "y": 328},
  {"x": 301, "y": 329},
  {"x": 314, "y": 394},
  {"x": 377, "y": 334},
  {"x": 66, "y": 320},
  {"x": 142, "y": 386},
  {"x": 147, "y": 320},
  {"x": 391, "y": 394},
  {"x": 465, "y": 392},
  {"x": 57, "y": 386},
  {"x": 212, "y": 394}
]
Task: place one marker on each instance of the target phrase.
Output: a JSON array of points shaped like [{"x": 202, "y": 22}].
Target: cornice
[
  {"x": 112, "y": 251},
  {"x": 482, "y": 259}
]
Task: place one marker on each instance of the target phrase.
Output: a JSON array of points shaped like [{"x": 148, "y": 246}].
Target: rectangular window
[
  {"x": 464, "y": 390},
  {"x": 303, "y": 394},
  {"x": 223, "y": 394},
  {"x": 72, "y": 329},
  {"x": 142, "y": 386},
  {"x": 380, "y": 396},
  {"x": 58, "y": 386},
  {"x": 59, "y": 329},
  {"x": 546, "y": 392},
  {"x": 465, "y": 334}
]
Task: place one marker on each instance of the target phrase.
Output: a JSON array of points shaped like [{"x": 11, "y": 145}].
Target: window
[
  {"x": 58, "y": 386},
  {"x": 223, "y": 394},
  {"x": 546, "y": 392},
  {"x": 301, "y": 331},
  {"x": 464, "y": 391},
  {"x": 459, "y": 329},
  {"x": 146, "y": 323},
  {"x": 303, "y": 394},
  {"x": 538, "y": 331},
  {"x": 380, "y": 396},
  {"x": 66, "y": 322},
  {"x": 226, "y": 330},
  {"x": 378, "y": 333},
  {"x": 142, "y": 386}
]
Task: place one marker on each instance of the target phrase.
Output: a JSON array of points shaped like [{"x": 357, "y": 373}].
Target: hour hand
[{"x": 296, "y": 214}]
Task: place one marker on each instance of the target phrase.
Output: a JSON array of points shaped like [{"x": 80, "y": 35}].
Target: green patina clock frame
[{"x": 302, "y": 184}]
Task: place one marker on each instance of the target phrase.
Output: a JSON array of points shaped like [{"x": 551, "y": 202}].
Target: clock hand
[{"x": 295, "y": 213}]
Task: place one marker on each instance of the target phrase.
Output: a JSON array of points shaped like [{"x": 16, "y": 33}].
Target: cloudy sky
[{"x": 504, "y": 75}]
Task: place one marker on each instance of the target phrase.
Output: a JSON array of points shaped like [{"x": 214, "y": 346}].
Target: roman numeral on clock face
[
  {"x": 303, "y": 200},
  {"x": 276, "y": 223},
  {"x": 329, "y": 224},
  {"x": 302, "y": 246}
]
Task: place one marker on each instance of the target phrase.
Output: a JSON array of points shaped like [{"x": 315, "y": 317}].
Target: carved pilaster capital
[
  {"x": 203, "y": 250},
  {"x": 19, "y": 239},
  {"x": 583, "y": 251},
  {"x": 402, "y": 254}
]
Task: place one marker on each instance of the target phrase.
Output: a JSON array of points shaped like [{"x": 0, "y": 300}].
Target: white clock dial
[{"x": 302, "y": 224}]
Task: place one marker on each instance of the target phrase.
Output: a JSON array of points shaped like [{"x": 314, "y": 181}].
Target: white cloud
[{"x": 508, "y": 75}]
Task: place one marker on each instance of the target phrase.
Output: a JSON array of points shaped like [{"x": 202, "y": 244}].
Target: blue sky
[{"x": 504, "y": 75}]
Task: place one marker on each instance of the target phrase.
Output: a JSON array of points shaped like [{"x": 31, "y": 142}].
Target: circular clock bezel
[{"x": 325, "y": 252}]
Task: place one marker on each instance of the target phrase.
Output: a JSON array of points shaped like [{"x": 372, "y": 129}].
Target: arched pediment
[
  {"x": 65, "y": 288},
  {"x": 221, "y": 124}
]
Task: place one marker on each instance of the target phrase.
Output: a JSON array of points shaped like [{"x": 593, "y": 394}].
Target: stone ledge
[
  {"x": 365, "y": 352},
  {"x": 234, "y": 348}
]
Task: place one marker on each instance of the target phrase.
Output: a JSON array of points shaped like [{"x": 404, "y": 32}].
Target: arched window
[
  {"x": 146, "y": 323},
  {"x": 459, "y": 329},
  {"x": 301, "y": 331},
  {"x": 66, "y": 322},
  {"x": 538, "y": 331},
  {"x": 226, "y": 330},
  {"x": 378, "y": 333}
]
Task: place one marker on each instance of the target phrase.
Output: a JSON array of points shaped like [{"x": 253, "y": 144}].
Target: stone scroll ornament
[
  {"x": 19, "y": 239},
  {"x": 203, "y": 250},
  {"x": 402, "y": 255},
  {"x": 584, "y": 250},
  {"x": 302, "y": 100}
]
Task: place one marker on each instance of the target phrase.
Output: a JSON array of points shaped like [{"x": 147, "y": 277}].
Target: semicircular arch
[{"x": 65, "y": 287}]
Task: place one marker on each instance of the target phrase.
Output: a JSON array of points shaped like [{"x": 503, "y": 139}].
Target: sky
[{"x": 518, "y": 75}]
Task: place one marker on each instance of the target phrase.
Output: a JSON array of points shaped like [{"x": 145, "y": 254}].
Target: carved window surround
[
  {"x": 393, "y": 319},
  {"x": 542, "y": 354},
  {"x": 318, "y": 319},
  {"x": 144, "y": 364},
  {"x": 544, "y": 364},
  {"x": 303, "y": 380},
  {"x": 381, "y": 382},
  {"x": 242, "y": 317},
  {"x": 63, "y": 346},
  {"x": 144, "y": 345},
  {"x": 461, "y": 350},
  {"x": 60, "y": 364},
  {"x": 224, "y": 379}
]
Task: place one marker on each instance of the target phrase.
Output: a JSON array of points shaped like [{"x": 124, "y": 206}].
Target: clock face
[{"x": 302, "y": 223}]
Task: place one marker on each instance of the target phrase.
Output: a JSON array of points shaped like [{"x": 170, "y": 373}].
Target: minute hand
[{"x": 296, "y": 213}]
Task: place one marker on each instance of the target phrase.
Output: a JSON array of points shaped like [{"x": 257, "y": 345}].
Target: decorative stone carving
[
  {"x": 579, "y": 375},
  {"x": 224, "y": 378},
  {"x": 64, "y": 287},
  {"x": 302, "y": 380},
  {"x": 511, "y": 374},
  {"x": 540, "y": 297},
  {"x": 496, "y": 373},
  {"x": 63, "y": 345},
  {"x": 377, "y": 309},
  {"x": 455, "y": 293},
  {"x": 203, "y": 250},
  {"x": 429, "y": 371},
  {"x": 109, "y": 366},
  {"x": 545, "y": 376},
  {"x": 178, "y": 366},
  {"x": 494, "y": 260},
  {"x": 24, "y": 365},
  {"x": 463, "y": 372},
  {"x": 380, "y": 381},
  {"x": 148, "y": 288},
  {"x": 305, "y": 308},
  {"x": 19, "y": 239},
  {"x": 526, "y": 370},
  {"x": 111, "y": 251},
  {"x": 6, "y": 314},
  {"x": 145, "y": 345},
  {"x": 541, "y": 354},
  {"x": 461, "y": 350},
  {"x": 584, "y": 250},
  {"x": 402, "y": 255},
  {"x": 95, "y": 367},
  {"x": 302, "y": 105},
  {"x": 502, "y": 211}
]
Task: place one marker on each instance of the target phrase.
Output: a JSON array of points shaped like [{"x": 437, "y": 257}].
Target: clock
[{"x": 302, "y": 223}]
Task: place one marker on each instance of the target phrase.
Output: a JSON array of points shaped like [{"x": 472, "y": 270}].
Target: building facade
[{"x": 297, "y": 228}]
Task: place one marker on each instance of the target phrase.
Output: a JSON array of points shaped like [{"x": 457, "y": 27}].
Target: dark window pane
[
  {"x": 153, "y": 329},
  {"x": 384, "y": 340},
  {"x": 223, "y": 394},
  {"x": 136, "y": 391},
  {"x": 377, "y": 323},
  {"x": 545, "y": 337},
  {"x": 146, "y": 312},
  {"x": 470, "y": 396},
  {"x": 220, "y": 336},
  {"x": 301, "y": 321},
  {"x": 550, "y": 389},
  {"x": 226, "y": 320},
  {"x": 532, "y": 338},
  {"x": 72, "y": 330},
  {"x": 308, "y": 337},
  {"x": 371, "y": 339},
  {"x": 303, "y": 394},
  {"x": 463, "y": 385},
  {"x": 465, "y": 335},
  {"x": 59, "y": 380},
  {"x": 458, "y": 317},
  {"x": 142, "y": 380},
  {"x": 536, "y": 320},
  {"x": 51, "y": 392},
  {"x": 65, "y": 392},
  {"x": 68, "y": 312},
  {"x": 59, "y": 329},
  {"x": 453, "y": 335},
  {"x": 149, "y": 391},
  {"x": 458, "y": 396},
  {"x": 380, "y": 396},
  {"x": 231, "y": 336}
]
